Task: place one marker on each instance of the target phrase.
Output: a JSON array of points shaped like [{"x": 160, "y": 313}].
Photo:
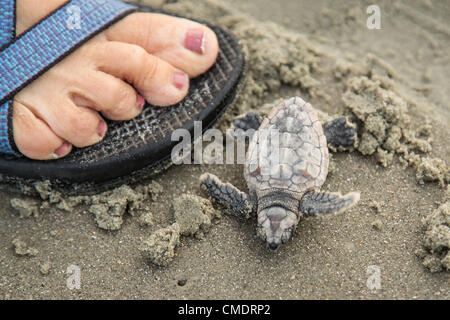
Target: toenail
[
  {"x": 195, "y": 40},
  {"x": 101, "y": 128},
  {"x": 63, "y": 149},
  {"x": 140, "y": 102},
  {"x": 179, "y": 79}
]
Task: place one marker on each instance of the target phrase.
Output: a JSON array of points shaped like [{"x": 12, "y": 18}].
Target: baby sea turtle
[{"x": 286, "y": 164}]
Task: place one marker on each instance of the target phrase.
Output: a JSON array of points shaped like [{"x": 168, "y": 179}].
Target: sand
[
  {"x": 193, "y": 216},
  {"x": 163, "y": 240},
  {"x": 436, "y": 257}
]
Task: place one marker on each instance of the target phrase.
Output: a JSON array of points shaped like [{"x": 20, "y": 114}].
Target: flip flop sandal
[{"x": 132, "y": 150}]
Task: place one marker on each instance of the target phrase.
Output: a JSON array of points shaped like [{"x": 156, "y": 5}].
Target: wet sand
[{"x": 392, "y": 83}]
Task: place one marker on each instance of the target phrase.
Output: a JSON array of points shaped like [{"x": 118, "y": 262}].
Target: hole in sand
[{"x": 182, "y": 282}]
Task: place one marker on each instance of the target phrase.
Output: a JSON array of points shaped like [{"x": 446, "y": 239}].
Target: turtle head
[{"x": 276, "y": 225}]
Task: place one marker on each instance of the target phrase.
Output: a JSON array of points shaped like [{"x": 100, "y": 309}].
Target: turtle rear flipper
[
  {"x": 249, "y": 120},
  {"x": 245, "y": 125},
  {"x": 340, "y": 132},
  {"x": 231, "y": 198},
  {"x": 314, "y": 202}
]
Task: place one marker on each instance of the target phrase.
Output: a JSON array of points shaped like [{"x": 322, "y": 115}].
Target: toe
[
  {"x": 34, "y": 138},
  {"x": 79, "y": 126},
  {"x": 121, "y": 101},
  {"x": 187, "y": 45},
  {"x": 158, "y": 81}
]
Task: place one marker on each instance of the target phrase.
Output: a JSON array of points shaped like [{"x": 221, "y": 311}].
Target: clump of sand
[
  {"x": 432, "y": 169},
  {"x": 155, "y": 190},
  {"x": 159, "y": 248},
  {"x": 25, "y": 207},
  {"x": 193, "y": 217},
  {"x": 436, "y": 257},
  {"x": 108, "y": 208},
  {"x": 384, "y": 127},
  {"x": 21, "y": 248},
  {"x": 146, "y": 219},
  {"x": 45, "y": 268}
]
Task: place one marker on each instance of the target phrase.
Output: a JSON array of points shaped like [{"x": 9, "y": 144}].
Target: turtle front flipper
[
  {"x": 340, "y": 132},
  {"x": 228, "y": 196},
  {"x": 314, "y": 202},
  {"x": 245, "y": 125}
]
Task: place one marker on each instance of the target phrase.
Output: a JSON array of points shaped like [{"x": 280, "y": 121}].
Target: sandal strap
[
  {"x": 28, "y": 56},
  {"x": 7, "y": 21},
  {"x": 48, "y": 42},
  {"x": 7, "y": 34},
  {"x": 7, "y": 145}
]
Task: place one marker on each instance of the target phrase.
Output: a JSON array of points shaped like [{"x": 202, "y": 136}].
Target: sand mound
[
  {"x": 384, "y": 128},
  {"x": 25, "y": 207},
  {"x": 159, "y": 248},
  {"x": 193, "y": 217},
  {"x": 108, "y": 207},
  {"x": 21, "y": 248},
  {"x": 436, "y": 257}
]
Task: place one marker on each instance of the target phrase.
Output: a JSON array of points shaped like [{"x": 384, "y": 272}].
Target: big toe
[{"x": 185, "y": 44}]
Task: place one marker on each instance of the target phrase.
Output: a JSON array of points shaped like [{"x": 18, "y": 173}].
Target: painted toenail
[
  {"x": 179, "y": 80},
  {"x": 101, "y": 128},
  {"x": 140, "y": 102},
  {"x": 63, "y": 149},
  {"x": 195, "y": 40}
]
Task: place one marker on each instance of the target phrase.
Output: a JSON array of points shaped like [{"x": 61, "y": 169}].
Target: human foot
[{"x": 154, "y": 53}]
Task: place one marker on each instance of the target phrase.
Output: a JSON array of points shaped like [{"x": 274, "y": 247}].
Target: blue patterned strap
[
  {"x": 48, "y": 42},
  {"x": 6, "y": 134},
  {"x": 7, "y": 34},
  {"x": 7, "y": 21}
]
